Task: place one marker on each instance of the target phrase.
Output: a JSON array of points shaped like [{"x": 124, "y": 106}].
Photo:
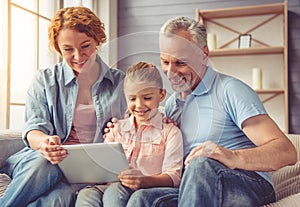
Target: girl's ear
[{"x": 163, "y": 94}]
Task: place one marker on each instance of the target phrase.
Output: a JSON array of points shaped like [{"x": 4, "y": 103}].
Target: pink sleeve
[{"x": 173, "y": 160}]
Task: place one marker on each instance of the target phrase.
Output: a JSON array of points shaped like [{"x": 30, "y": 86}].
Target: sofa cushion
[
  {"x": 10, "y": 142},
  {"x": 287, "y": 181},
  {"x": 4, "y": 182}
]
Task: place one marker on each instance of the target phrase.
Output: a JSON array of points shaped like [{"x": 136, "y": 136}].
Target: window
[{"x": 23, "y": 50}]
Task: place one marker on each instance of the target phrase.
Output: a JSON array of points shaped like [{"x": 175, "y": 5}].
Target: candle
[
  {"x": 211, "y": 41},
  {"x": 256, "y": 78}
]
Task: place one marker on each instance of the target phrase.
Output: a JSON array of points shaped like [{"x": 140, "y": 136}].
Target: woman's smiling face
[{"x": 77, "y": 48}]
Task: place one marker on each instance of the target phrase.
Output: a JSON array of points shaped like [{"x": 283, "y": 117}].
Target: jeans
[
  {"x": 35, "y": 182},
  {"x": 207, "y": 182},
  {"x": 89, "y": 196},
  {"x": 158, "y": 197},
  {"x": 114, "y": 195},
  {"x": 119, "y": 195}
]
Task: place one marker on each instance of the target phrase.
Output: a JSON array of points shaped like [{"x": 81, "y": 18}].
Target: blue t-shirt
[
  {"x": 215, "y": 111},
  {"x": 51, "y": 100}
]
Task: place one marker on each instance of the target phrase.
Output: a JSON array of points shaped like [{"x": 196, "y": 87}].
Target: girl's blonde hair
[
  {"x": 144, "y": 73},
  {"x": 80, "y": 19}
]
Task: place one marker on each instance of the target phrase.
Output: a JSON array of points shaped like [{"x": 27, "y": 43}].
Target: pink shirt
[
  {"x": 84, "y": 125},
  {"x": 154, "y": 148}
]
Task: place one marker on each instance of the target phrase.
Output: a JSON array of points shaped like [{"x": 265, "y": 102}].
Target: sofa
[{"x": 286, "y": 180}]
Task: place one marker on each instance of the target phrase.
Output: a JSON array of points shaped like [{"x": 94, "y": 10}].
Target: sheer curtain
[{"x": 23, "y": 50}]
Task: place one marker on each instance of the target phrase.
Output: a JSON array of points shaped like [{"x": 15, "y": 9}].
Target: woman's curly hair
[{"x": 80, "y": 19}]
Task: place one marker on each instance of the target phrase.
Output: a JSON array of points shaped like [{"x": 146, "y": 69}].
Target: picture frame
[{"x": 245, "y": 41}]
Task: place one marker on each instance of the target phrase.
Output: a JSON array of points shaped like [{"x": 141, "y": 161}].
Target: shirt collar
[
  {"x": 105, "y": 71},
  {"x": 68, "y": 73},
  {"x": 203, "y": 87},
  {"x": 153, "y": 135},
  {"x": 156, "y": 121},
  {"x": 206, "y": 83}
]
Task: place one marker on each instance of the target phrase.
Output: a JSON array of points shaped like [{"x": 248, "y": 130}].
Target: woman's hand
[
  {"x": 133, "y": 178},
  {"x": 51, "y": 149}
]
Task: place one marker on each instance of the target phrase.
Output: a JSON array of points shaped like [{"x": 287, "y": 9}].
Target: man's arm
[{"x": 274, "y": 150}]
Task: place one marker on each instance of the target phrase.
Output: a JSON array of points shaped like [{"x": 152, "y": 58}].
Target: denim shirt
[{"x": 52, "y": 96}]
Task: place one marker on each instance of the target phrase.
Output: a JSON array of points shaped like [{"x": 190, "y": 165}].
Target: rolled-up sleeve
[
  {"x": 50, "y": 102},
  {"x": 37, "y": 116}
]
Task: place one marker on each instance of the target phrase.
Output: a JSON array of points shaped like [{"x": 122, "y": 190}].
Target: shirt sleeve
[
  {"x": 242, "y": 102},
  {"x": 173, "y": 160},
  {"x": 37, "y": 114}
]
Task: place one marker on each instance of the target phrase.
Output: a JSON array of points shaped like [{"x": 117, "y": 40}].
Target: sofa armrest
[
  {"x": 287, "y": 179},
  {"x": 290, "y": 201},
  {"x": 10, "y": 142}
]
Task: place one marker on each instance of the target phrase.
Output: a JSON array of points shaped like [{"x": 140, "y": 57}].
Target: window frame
[{"x": 105, "y": 9}]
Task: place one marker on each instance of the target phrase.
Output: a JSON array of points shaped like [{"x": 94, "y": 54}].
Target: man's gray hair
[{"x": 196, "y": 29}]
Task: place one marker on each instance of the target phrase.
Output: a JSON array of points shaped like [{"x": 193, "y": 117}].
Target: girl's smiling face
[
  {"x": 77, "y": 49},
  {"x": 143, "y": 102}
]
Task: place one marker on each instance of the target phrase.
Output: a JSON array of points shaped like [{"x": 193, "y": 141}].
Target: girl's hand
[
  {"x": 133, "y": 178},
  {"x": 51, "y": 149}
]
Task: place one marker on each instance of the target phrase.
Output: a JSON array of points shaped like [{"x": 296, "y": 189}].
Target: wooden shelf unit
[
  {"x": 241, "y": 11},
  {"x": 219, "y": 18},
  {"x": 246, "y": 51}
]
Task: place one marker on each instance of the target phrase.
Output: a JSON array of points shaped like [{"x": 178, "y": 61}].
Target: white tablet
[{"x": 93, "y": 163}]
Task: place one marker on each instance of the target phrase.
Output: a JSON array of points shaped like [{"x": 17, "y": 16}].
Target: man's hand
[
  {"x": 110, "y": 125},
  {"x": 51, "y": 149},
  {"x": 214, "y": 151},
  {"x": 168, "y": 120}
]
